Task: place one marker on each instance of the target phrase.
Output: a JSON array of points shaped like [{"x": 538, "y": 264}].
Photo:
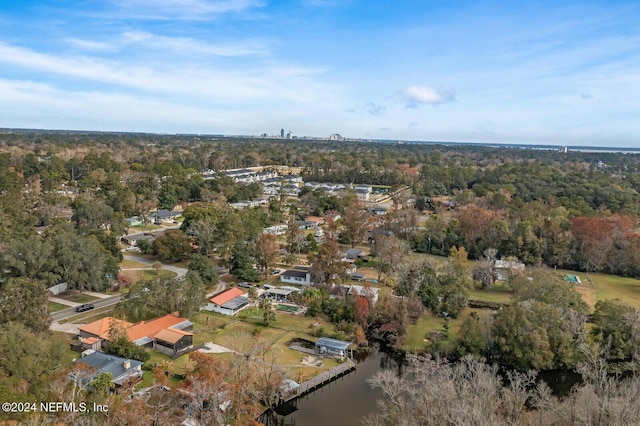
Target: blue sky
[{"x": 545, "y": 72}]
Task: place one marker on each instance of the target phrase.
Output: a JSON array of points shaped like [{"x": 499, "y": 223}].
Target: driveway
[{"x": 180, "y": 272}]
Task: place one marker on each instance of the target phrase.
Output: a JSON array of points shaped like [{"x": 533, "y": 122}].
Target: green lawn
[
  {"x": 593, "y": 288},
  {"x": 597, "y": 286},
  {"x": 498, "y": 293},
  {"x": 417, "y": 333},
  {"x": 614, "y": 287},
  {"x": 129, "y": 264},
  {"x": 55, "y": 307},
  {"x": 77, "y": 297},
  {"x": 64, "y": 340},
  {"x": 148, "y": 227}
]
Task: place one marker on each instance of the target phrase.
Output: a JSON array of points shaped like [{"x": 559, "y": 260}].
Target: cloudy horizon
[{"x": 534, "y": 73}]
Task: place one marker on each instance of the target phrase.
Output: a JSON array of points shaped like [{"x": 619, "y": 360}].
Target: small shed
[{"x": 332, "y": 347}]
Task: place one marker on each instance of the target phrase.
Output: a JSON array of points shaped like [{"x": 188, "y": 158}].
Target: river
[
  {"x": 342, "y": 402},
  {"x": 348, "y": 399}
]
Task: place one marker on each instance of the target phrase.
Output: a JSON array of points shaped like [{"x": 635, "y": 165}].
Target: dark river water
[
  {"x": 342, "y": 402},
  {"x": 348, "y": 399}
]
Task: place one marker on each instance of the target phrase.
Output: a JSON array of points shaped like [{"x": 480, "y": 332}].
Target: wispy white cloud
[
  {"x": 189, "y": 46},
  {"x": 273, "y": 81},
  {"x": 181, "y": 9},
  {"x": 415, "y": 96},
  {"x": 91, "y": 45}
]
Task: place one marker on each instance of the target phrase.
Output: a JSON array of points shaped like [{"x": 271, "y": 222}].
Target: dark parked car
[{"x": 85, "y": 307}]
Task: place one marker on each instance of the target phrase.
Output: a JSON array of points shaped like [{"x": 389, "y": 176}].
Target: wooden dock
[{"x": 319, "y": 381}]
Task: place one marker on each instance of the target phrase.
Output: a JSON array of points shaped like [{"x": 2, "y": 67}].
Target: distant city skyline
[{"x": 542, "y": 72}]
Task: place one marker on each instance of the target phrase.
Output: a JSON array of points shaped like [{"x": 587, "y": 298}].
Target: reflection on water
[{"x": 342, "y": 402}]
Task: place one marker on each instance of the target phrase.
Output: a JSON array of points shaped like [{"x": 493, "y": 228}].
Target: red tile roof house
[
  {"x": 228, "y": 302},
  {"x": 168, "y": 334}
]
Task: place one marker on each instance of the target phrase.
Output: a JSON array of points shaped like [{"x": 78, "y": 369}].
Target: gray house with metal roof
[{"x": 332, "y": 347}]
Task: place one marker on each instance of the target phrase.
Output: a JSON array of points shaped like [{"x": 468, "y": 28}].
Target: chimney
[{"x": 127, "y": 364}]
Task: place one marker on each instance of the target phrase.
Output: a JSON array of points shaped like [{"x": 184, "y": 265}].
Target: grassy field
[
  {"x": 244, "y": 335},
  {"x": 64, "y": 340},
  {"x": 129, "y": 264},
  {"x": 498, "y": 293},
  {"x": 600, "y": 286},
  {"x": 417, "y": 334},
  {"x": 77, "y": 297},
  {"x": 148, "y": 227},
  {"x": 55, "y": 307},
  {"x": 594, "y": 287},
  {"x": 146, "y": 274}
]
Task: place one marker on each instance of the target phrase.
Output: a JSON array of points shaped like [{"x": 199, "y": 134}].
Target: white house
[{"x": 299, "y": 275}]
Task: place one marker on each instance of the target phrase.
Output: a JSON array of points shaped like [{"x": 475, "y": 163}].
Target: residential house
[
  {"x": 228, "y": 302},
  {"x": 133, "y": 239},
  {"x": 164, "y": 215},
  {"x": 299, "y": 275},
  {"x": 241, "y": 205},
  {"x": 379, "y": 211},
  {"x": 276, "y": 229},
  {"x": 353, "y": 254},
  {"x": 134, "y": 221},
  {"x": 332, "y": 347},
  {"x": 150, "y": 334},
  {"x": 507, "y": 269},
  {"x": 123, "y": 370},
  {"x": 305, "y": 224},
  {"x": 363, "y": 192},
  {"x": 363, "y": 195},
  {"x": 318, "y": 221}
]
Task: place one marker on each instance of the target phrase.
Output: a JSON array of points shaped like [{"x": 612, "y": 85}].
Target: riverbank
[{"x": 345, "y": 400}]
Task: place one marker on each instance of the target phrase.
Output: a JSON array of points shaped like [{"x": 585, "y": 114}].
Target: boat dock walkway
[{"x": 319, "y": 381}]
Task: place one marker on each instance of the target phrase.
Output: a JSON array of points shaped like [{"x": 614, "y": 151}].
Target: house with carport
[
  {"x": 228, "y": 302},
  {"x": 169, "y": 334},
  {"x": 332, "y": 347}
]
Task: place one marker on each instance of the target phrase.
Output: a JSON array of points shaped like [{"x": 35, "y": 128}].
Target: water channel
[
  {"x": 348, "y": 399},
  {"x": 342, "y": 402}
]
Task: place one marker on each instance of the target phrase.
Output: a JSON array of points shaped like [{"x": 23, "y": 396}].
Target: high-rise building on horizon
[{"x": 282, "y": 133}]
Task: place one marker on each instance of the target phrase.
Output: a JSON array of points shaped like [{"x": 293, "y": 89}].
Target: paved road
[{"x": 66, "y": 313}]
